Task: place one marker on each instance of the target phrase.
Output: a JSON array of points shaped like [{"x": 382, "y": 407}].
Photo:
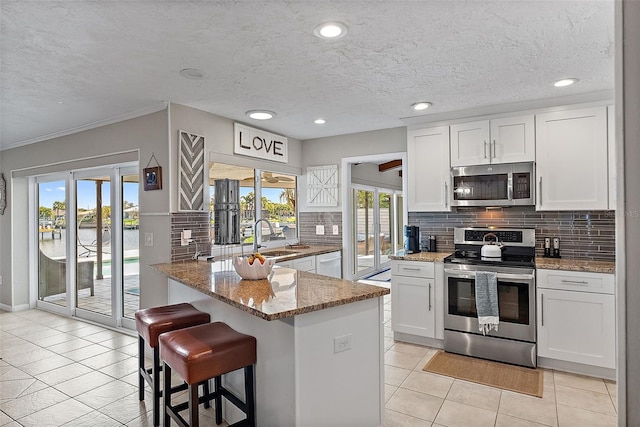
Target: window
[{"x": 274, "y": 196}]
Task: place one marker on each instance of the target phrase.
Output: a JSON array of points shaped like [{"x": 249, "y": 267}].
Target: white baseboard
[{"x": 14, "y": 308}]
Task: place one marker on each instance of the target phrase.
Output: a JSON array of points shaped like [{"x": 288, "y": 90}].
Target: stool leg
[
  {"x": 140, "y": 368},
  {"x": 193, "y": 405},
  {"x": 218, "y": 400},
  {"x": 156, "y": 386},
  {"x": 166, "y": 394},
  {"x": 249, "y": 396},
  {"x": 205, "y": 390}
]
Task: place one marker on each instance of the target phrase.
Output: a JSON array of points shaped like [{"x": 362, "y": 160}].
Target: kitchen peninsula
[{"x": 320, "y": 341}]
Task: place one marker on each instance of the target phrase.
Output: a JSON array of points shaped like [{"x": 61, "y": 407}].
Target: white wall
[
  {"x": 369, "y": 174},
  {"x": 331, "y": 150},
  {"x": 146, "y": 135}
]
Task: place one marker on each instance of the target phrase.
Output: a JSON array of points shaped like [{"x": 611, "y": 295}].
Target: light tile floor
[{"x": 58, "y": 371}]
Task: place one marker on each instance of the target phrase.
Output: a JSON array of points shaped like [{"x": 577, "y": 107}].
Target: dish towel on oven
[{"x": 487, "y": 301}]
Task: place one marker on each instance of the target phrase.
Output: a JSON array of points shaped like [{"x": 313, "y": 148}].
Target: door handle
[
  {"x": 542, "y": 309},
  {"x": 446, "y": 195},
  {"x": 494, "y": 149},
  {"x": 575, "y": 282},
  {"x": 540, "y": 191},
  {"x": 411, "y": 268},
  {"x": 485, "y": 149},
  {"x": 429, "y": 296}
]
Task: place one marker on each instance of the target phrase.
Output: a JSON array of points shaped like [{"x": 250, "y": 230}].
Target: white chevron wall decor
[{"x": 191, "y": 172}]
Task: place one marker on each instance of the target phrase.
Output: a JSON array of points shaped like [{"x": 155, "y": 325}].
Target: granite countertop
[
  {"x": 286, "y": 293},
  {"x": 576, "y": 265},
  {"x": 422, "y": 256},
  {"x": 300, "y": 251}
]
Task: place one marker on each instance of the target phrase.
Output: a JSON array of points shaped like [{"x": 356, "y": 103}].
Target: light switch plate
[
  {"x": 335, "y": 230},
  {"x": 341, "y": 343},
  {"x": 319, "y": 229},
  {"x": 148, "y": 239}
]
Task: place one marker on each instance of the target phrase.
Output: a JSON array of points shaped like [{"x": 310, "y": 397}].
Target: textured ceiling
[{"x": 67, "y": 64}]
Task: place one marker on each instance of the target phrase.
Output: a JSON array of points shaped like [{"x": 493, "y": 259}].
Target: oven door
[{"x": 516, "y": 304}]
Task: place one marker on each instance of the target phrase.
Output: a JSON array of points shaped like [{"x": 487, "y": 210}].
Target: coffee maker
[{"x": 412, "y": 239}]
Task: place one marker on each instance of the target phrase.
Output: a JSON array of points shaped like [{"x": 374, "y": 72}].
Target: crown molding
[{"x": 115, "y": 119}]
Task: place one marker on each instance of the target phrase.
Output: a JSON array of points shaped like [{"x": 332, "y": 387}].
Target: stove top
[
  {"x": 465, "y": 257},
  {"x": 519, "y": 247}
]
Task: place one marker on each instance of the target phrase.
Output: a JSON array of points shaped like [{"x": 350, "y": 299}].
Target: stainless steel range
[{"x": 515, "y": 340}]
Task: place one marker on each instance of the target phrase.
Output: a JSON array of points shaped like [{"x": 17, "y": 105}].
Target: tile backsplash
[
  {"x": 586, "y": 235},
  {"x": 309, "y": 220},
  {"x": 198, "y": 223}
]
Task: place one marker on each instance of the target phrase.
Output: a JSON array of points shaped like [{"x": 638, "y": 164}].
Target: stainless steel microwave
[{"x": 508, "y": 184}]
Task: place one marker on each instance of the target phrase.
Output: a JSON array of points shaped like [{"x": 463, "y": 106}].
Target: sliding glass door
[
  {"x": 375, "y": 224},
  {"x": 88, "y": 244}
]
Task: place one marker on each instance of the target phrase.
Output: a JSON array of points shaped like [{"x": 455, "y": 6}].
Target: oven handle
[{"x": 456, "y": 273}]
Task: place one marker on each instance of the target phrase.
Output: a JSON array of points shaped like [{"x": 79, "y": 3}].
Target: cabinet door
[
  {"x": 412, "y": 305},
  {"x": 428, "y": 167},
  {"x": 513, "y": 140},
  {"x": 571, "y": 159},
  {"x": 305, "y": 264},
  {"x": 470, "y": 143},
  {"x": 577, "y": 327}
]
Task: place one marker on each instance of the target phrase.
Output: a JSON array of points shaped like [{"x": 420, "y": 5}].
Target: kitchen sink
[{"x": 277, "y": 253}]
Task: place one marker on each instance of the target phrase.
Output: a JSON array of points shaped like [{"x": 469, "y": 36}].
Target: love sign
[{"x": 257, "y": 143}]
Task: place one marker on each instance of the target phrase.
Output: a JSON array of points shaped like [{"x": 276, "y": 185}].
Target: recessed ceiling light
[
  {"x": 565, "y": 82},
  {"x": 330, "y": 30},
  {"x": 192, "y": 73},
  {"x": 419, "y": 106},
  {"x": 261, "y": 114},
  {"x": 319, "y": 121}
]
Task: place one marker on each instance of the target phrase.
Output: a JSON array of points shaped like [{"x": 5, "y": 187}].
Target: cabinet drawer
[
  {"x": 305, "y": 264},
  {"x": 413, "y": 268},
  {"x": 576, "y": 281}
]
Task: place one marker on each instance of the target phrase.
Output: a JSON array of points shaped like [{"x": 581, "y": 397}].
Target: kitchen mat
[{"x": 507, "y": 377}]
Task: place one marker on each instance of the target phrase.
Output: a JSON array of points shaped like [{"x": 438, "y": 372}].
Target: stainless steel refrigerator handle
[
  {"x": 485, "y": 149},
  {"x": 429, "y": 296},
  {"x": 457, "y": 274}
]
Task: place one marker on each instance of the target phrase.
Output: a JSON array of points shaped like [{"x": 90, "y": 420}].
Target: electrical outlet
[
  {"x": 148, "y": 239},
  {"x": 335, "y": 230},
  {"x": 319, "y": 229},
  {"x": 185, "y": 237},
  {"x": 341, "y": 343}
]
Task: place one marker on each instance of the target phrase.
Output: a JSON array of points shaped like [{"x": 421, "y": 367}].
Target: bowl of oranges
[{"x": 252, "y": 267}]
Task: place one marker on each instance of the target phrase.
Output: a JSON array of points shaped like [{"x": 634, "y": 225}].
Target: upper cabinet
[
  {"x": 429, "y": 177},
  {"x": 571, "y": 160},
  {"x": 502, "y": 140}
]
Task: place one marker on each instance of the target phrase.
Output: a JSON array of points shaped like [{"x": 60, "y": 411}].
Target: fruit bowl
[{"x": 253, "y": 267}]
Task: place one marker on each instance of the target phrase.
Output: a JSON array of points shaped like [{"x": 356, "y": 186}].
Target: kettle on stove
[{"x": 491, "y": 249}]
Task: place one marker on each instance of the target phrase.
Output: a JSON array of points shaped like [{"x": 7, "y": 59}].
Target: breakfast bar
[{"x": 319, "y": 340}]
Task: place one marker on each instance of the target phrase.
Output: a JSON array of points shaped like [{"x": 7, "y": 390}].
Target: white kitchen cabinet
[
  {"x": 413, "y": 298},
  {"x": 576, "y": 317},
  {"x": 329, "y": 264},
  {"x": 571, "y": 160},
  {"x": 501, "y": 140},
  {"x": 428, "y": 169},
  {"x": 611, "y": 145},
  {"x": 303, "y": 264}
]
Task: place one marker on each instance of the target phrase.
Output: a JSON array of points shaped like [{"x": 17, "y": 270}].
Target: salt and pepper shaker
[{"x": 547, "y": 247}]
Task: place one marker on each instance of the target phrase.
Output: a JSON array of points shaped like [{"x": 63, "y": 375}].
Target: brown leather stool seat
[
  {"x": 150, "y": 324},
  {"x": 203, "y": 352}
]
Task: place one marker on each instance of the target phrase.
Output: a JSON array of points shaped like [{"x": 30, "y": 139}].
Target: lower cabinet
[
  {"x": 576, "y": 317},
  {"x": 413, "y": 305},
  {"x": 329, "y": 264}
]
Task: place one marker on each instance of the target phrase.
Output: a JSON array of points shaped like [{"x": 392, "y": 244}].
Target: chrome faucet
[{"x": 256, "y": 245}]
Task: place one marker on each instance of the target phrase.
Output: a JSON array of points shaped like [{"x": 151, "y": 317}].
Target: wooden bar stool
[
  {"x": 199, "y": 354},
  {"x": 150, "y": 323}
]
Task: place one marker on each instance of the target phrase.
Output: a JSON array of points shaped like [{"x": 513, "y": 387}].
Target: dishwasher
[{"x": 329, "y": 264}]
